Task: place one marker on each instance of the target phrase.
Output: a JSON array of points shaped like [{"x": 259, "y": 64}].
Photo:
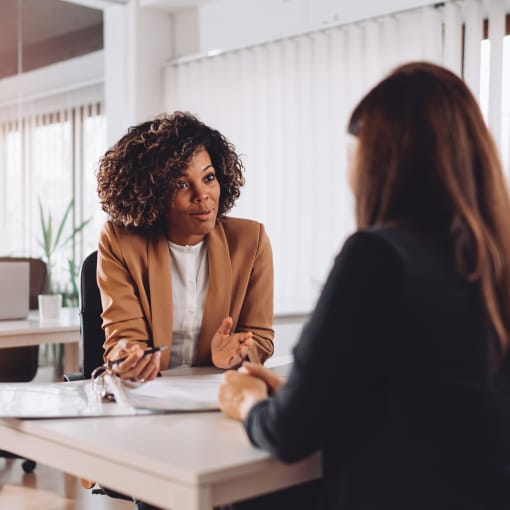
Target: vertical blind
[
  {"x": 49, "y": 147},
  {"x": 285, "y": 104}
]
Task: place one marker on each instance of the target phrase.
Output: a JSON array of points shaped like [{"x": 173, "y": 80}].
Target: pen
[{"x": 145, "y": 352}]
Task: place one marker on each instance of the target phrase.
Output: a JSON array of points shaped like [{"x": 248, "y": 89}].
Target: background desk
[
  {"x": 187, "y": 461},
  {"x": 32, "y": 331}
]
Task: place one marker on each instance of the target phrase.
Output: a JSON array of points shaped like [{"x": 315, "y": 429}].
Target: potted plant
[{"x": 54, "y": 242}]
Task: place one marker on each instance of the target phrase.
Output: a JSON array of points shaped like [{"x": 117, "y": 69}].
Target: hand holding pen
[{"x": 130, "y": 360}]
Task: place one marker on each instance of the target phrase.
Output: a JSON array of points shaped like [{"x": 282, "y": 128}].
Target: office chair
[
  {"x": 90, "y": 316},
  {"x": 19, "y": 364},
  {"x": 90, "y": 307},
  {"x": 93, "y": 337}
]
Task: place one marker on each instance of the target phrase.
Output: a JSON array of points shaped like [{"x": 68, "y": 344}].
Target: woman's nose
[{"x": 199, "y": 195}]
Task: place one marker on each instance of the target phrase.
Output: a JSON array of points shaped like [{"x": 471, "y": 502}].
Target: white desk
[
  {"x": 32, "y": 331},
  {"x": 186, "y": 461}
]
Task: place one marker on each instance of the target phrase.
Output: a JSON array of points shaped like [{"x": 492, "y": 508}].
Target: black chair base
[{"x": 27, "y": 464}]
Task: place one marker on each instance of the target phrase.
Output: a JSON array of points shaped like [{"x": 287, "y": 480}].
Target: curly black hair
[{"x": 136, "y": 177}]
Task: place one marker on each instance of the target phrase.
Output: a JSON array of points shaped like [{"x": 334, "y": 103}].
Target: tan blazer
[{"x": 134, "y": 278}]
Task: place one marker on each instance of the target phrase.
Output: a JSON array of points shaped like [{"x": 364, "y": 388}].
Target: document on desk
[
  {"x": 177, "y": 393},
  {"x": 182, "y": 389},
  {"x": 182, "y": 392},
  {"x": 58, "y": 400}
]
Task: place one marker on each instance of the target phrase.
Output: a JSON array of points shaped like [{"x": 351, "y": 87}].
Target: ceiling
[
  {"x": 58, "y": 29},
  {"x": 173, "y": 5}
]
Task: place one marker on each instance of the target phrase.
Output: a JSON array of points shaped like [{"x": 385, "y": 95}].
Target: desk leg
[{"x": 71, "y": 358}]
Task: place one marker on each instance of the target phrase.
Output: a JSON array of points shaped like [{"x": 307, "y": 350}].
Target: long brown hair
[{"x": 427, "y": 162}]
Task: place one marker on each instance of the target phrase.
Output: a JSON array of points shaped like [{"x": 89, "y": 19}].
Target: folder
[{"x": 182, "y": 391}]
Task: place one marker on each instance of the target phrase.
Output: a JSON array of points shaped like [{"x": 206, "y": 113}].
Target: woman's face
[
  {"x": 352, "y": 161},
  {"x": 194, "y": 206}
]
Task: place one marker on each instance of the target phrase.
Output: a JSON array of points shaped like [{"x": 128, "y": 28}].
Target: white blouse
[{"x": 190, "y": 280}]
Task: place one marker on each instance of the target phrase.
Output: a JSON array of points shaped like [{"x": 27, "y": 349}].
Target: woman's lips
[{"x": 202, "y": 215}]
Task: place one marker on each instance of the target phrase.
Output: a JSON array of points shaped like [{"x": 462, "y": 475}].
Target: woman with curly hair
[{"x": 173, "y": 270}]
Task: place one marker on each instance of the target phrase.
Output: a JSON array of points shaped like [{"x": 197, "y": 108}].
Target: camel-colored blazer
[{"x": 134, "y": 278}]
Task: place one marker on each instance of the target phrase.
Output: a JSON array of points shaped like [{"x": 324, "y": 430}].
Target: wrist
[{"x": 247, "y": 404}]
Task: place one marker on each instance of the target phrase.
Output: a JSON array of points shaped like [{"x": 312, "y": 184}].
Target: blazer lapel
[
  {"x": 160, "y": 288},
  {"x": 217, "y": 302}
]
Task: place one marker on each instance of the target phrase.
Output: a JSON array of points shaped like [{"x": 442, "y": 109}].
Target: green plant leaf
[
  {"x": 51, "y": 243},
  {"x": 62, "y": 225},
  {"x": 76, "y": 230},
  {"x": 73, "y": 273},
  {"x": 46, "y": 233}
]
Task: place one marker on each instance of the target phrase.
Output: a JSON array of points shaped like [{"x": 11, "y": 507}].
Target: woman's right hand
[
  {"x": 272, "y": 380},
  {"x": 136, "y": 366}
]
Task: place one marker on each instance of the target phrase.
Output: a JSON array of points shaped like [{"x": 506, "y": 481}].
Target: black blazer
[{"x": 392, "y": 380}]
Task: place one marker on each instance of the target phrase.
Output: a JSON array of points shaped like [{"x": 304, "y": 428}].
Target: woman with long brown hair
[{"x": 401, "y": 375}]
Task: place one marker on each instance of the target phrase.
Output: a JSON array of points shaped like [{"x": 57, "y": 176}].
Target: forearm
[
  {"x": 122, "y": 313},
  {"x": 262, "y": 348},
  {"x": 257, "y": 310},
  {"x": 285, "y": 443}
]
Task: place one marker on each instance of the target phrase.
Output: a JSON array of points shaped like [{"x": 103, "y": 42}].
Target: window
[
  {"x": 52, "y": 128},
  {"x": 51, "y": 158},
  {"x": 484, "y": 91}
]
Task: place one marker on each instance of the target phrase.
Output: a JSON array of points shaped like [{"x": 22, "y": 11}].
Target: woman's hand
[
  {"x": 239, "y": 392},
  {"x": 273, "y": 381},
  {"x": 136, "y": 366},
  {"x": 229, "y": 349}
]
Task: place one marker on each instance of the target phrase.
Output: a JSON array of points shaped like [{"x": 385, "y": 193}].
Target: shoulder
[
  {"x": 377, "y": 239},
  {"x": 412, "y": 249},
  {"x": 241, "y": 226},
  {"x": 123, "y": 240},
  {"x": 244, "y": 236},
  {"x": 374, "y": 250},
  {"x": 112, "y": 231},
  {"x": 236, "y": 229}
]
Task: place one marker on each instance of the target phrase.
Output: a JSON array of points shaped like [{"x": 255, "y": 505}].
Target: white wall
[{"x": 138, "y": 42}]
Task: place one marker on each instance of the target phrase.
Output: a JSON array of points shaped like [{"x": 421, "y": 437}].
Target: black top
[{"x": 392, "y": 380}]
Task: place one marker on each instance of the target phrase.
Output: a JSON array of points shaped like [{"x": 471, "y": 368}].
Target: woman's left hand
[
  {"x": 230, "y": 349},
  {"x": 239, "y": 392}
]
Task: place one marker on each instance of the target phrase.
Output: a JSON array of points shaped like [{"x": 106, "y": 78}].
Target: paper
[
  {"x": 57, "y": 400},
  {"x": 177, "y": 393},
  {"x": 180, "y": 389},
  {"x": 189, "y": 390}
]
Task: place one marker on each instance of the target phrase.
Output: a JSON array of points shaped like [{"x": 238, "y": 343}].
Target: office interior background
[{"x": 277, "y": 77}]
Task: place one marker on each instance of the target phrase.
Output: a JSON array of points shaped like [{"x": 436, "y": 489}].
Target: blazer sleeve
[
  {"x": 123, "y": 316},
  {"x": 342, "y": 358},
  {"x": 256, "y": 313}
]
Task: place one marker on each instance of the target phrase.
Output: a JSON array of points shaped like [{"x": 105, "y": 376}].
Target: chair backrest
[
  {"x": 39, "y": 277},
  {"x": 19, "y": 364},
  {"x": 92, "y": 333}
]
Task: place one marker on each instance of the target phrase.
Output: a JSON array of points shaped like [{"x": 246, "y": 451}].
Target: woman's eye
[
  {"x": 182, "y": 185},
  {"x": 210, "y": 177}
]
